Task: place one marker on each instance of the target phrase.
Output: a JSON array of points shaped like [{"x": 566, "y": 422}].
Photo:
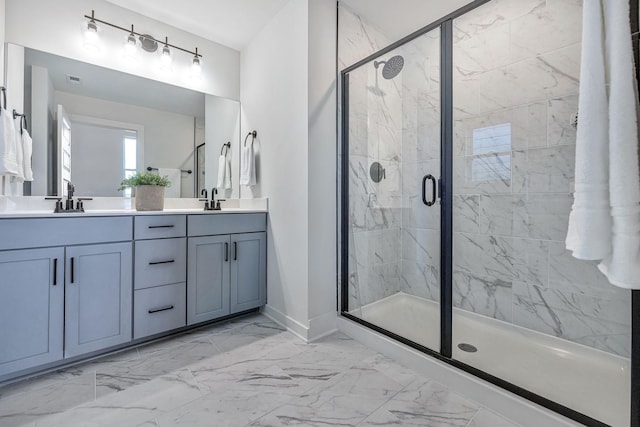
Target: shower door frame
[{"x": 445, "y": 24}]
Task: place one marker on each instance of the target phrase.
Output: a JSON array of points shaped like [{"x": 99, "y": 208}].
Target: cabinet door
[
  {"x": 98, "y": 297},
  {"x": 248, "y": 271},
  {"x": 31, "y": 308},
  {"x": 207, "y": 278}
]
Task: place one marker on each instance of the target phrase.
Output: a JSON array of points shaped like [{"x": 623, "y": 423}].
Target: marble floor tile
[
  {"x": 484, "y": 418},
  {"x": 245, "y": 372}
]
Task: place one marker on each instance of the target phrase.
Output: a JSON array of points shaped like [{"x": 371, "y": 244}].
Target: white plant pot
[{"x": 149, "y": 198}]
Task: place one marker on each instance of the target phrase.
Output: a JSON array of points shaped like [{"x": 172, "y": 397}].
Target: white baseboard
[
  {"x": 292, "y": 325},
  {"x": 514, "y": 407},
  {"x": 323, "y": 325}
]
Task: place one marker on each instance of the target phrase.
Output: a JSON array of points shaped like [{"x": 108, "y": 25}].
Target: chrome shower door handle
[{"x": 424, "y": 190}]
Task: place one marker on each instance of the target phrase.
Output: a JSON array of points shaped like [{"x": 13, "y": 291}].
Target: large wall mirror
[{"x": 99, "y": 126}]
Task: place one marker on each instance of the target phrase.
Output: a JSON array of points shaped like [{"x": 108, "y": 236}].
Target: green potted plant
[{"x": 149, "y": 190}]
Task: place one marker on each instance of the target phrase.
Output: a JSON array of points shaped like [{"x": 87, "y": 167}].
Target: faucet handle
[
  {"x": 206, "y": 203},
  {"x": 58, "y": 207},
  {"x": 80, "y": 204}
]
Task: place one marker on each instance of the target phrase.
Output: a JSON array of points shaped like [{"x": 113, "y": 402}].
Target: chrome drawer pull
[
  {"x": 162, "y": 262},
  {"x": 161, "y": 226},
  {"x": 156, "y": 310}
]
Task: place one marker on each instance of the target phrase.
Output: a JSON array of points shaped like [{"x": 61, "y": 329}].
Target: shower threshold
[{"x": 587, "y": 380}]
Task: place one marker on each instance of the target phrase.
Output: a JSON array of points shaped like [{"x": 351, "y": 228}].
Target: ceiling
[{"x": 232, "y": 23}]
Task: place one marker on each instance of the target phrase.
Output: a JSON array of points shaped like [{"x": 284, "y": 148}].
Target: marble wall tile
[
  {"x": 484, "y": 255},
  {"x": 546, "y": 29},
  {"x": 599, "y": 323},
  {"x": 378, "y": 282},
  {"x": 493, "y": 13},
  {"x": 487, "y": 174},
  {"x": 544, "y": 170},
  {"x": 422, "y": 246},
  {"x": 466, "y": 213},
  {"x": 578, "y": 276},
  {"x": 485, "y": 50},
  {"x": 530, "y": 261},
  {"x": 497, "y": 213},
  {"x": 421, "y": 144},
  {"x": 358, "y": 39},
  {"x": 542, "y": 216},
  {"x": 483, "y": 295},
  {"x": 560, "y": 130},
  {"x": 420, "y": 280}
]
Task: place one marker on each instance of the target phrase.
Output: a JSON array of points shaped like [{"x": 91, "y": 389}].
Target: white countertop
[{"x": 36, "y": 207}]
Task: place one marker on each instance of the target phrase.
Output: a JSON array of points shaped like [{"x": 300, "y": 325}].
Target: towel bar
[{"x": 149, "y": 168}]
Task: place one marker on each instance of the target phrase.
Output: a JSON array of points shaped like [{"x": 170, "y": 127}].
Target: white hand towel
[
  {"x": 247, "y": 165},
  {"x": 222, "y": 171},
  {"x": 27, "y": 148},
  {"x": 19, "y": 178},
  {"x": 175, "y": 176},
  {"x": 589, "y": 233},
  {"x": 227, "y": 173},
  {"x": 622, "y": 265},
  {"x": 8, "y": 146}
]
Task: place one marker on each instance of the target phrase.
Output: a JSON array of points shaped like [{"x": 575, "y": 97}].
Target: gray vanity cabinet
[
  {"x": 98, "y": 297},
  {"x": 248, "y": 271},
  {"x": 208, "y": 278},
  {"x": 227, "y": 270},
  {"x": 31, "y": 308}
]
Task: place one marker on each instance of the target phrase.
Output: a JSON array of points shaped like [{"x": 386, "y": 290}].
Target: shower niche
[{"x": 457, "y": 163}]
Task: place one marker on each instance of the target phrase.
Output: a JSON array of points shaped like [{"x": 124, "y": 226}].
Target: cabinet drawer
[
  {"x": 160, "y": 226},
  {"x": 160, "y": 262},
  {"x": 42, "y": 232},
  {"x": 159, "y": 309},
  {"x": 208, "y": 225}
]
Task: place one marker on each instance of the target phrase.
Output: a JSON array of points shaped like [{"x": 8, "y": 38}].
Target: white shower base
[{"x": 587, "y": 380}]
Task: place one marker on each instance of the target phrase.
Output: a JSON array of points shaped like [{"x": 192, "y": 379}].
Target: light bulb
[
  {"x": 196, "y": 68},
  {"x": 91, "y": 37},
  {"x": 165, "y": 59},
  {"x": 131, "y": 48}
]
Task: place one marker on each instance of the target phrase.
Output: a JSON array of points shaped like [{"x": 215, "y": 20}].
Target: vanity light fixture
[
  {"x": 91, "y": 37},
  {"x": 91, "y": 42}
]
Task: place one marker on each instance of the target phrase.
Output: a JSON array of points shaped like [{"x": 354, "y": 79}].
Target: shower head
[{"x": 392, "y": 67}]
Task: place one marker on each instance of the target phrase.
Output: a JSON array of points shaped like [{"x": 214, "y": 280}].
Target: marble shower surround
[{"x": 517, "y": 62}]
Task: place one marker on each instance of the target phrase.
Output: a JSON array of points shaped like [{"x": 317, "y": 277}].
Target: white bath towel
[
  {"x": 27, "y": 148},
  {"x": 19, "y": 178},
  {"x": 224, "y": 172},
  {"x": 604, "y": 223},
  {"x": 622, "y": 265},
  {"x": 247, "y": 165},
  {"x": 175, "y": 176},
  {"x": 8, "y": 145}
]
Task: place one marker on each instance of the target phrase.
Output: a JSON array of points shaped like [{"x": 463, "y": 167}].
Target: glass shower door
[{"x": 393, "y": 148}]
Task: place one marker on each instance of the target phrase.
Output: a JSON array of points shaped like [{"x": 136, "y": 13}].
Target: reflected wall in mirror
[{"x": 120, "y": 124}]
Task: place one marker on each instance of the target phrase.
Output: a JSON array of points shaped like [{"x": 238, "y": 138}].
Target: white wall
[
  {"x": 97, "y": 178},
  {"x": 2, "y": 37},
  {"x": 322, "y": 165},
  {"x": 274, "y": 77},
  {"x": 55, "y": 27},
  {"x": 168, "y": 137},
  {"x": 288, "y": 96}
]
